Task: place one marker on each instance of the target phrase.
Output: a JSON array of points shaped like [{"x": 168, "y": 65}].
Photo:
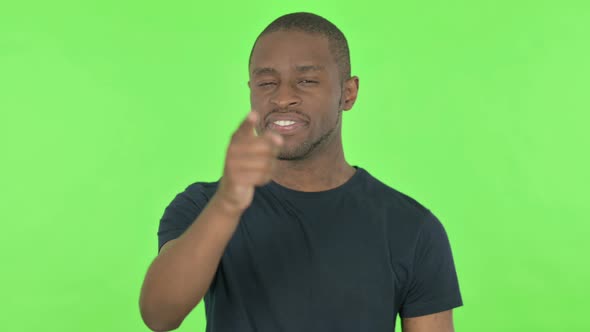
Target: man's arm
[
  {"x": 180, "y": 276},
  {"x": 433, "y": 289},
  {"x": 438, "y": 322}
]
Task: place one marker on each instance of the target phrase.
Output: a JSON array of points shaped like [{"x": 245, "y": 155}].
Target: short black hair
[{"x": 314, "y": 24}]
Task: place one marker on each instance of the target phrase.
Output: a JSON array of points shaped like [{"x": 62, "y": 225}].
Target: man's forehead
[
  {"x": 291, "y": 43},
  {"x": 290, "y": 50}
]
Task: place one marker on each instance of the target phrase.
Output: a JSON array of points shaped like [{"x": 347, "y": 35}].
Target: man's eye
[
  {"x": 266, "y": 84},
  {"x": 308, "y": 82}
]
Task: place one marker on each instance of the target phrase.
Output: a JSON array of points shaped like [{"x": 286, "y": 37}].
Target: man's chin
[
  {"x": 290, "y": 158},
  {"x": 292, "y": 155}
]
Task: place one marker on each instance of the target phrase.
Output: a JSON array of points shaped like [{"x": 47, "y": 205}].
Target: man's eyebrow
[
  {"x": 303, "y": 69},
  {"x": 263, "y": 71}
]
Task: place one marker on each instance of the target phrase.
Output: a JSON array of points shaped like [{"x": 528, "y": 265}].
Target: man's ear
[{"x": 351, "y": 89}]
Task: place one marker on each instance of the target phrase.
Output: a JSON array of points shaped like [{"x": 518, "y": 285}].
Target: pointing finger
[{"x": 247, "y": 126}]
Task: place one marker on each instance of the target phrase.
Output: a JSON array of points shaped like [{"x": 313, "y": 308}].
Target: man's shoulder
[
  {"x": 201, "y": 190},
  {"x": 389, "y": 197}
]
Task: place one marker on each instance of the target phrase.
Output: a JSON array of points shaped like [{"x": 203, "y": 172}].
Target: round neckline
[{"x": 351, "y": 182}]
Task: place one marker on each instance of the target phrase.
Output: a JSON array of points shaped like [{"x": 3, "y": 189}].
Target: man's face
[{"x": 296, "y": 88}]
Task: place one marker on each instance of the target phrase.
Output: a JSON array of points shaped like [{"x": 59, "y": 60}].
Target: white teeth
[{"x": 284, "y": 123}]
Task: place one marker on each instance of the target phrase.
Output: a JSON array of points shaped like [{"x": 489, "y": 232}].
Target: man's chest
[{"x": 308, "y": 264}]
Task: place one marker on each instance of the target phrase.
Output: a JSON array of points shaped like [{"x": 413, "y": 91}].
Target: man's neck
[{"x": 325, "y": 171}]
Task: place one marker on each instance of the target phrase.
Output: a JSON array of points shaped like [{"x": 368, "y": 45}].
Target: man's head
[
  {"x": 300, "y": 71},
  {"x": 315, "y": 25}
]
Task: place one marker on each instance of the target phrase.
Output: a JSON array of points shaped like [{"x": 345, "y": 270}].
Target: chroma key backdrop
[{"x": 477, "y": 109}]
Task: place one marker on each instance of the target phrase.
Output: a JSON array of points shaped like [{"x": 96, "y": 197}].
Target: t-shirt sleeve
[
  {"x": 181, "y": 213},
  {"x": 433, "y": 286}
]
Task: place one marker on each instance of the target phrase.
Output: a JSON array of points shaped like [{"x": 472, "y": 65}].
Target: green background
[{"x": 477, "y": 109}]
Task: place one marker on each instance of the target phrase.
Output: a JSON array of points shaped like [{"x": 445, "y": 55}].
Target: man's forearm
[{"x": 180, "y": 276}]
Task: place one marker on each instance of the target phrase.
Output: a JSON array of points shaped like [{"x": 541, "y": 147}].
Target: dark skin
[{"x": 294, "y": 72}]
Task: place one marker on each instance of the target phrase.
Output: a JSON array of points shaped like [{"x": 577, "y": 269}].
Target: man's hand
[{"x": 249, "y": 162}]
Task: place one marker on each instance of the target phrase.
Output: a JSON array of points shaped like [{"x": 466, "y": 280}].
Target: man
[{"x": 292, "y": 237}]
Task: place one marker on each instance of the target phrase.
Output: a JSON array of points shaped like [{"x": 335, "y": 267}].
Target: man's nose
[{"x": 285, "y": 96}]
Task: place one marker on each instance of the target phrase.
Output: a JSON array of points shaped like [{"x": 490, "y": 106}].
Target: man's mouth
[{"x": 287, "y": 127}]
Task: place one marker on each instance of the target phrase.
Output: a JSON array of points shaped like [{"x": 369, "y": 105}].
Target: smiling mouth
[{"x": 286, "y": 127}]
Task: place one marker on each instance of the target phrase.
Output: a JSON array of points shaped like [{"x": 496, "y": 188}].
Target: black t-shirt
[{"x": 346, "y": 259}]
